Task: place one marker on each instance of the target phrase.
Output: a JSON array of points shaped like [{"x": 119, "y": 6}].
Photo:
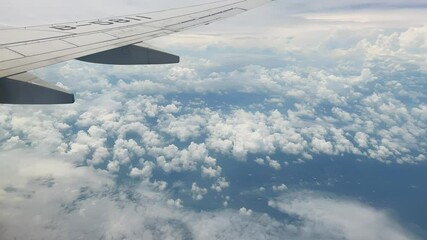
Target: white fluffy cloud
[
  {"x": 145, "y": 172},
  {"x": 198, "y": 192},
  {"x": 245, "y": 211},
  {"x": 175, "y": 203},
  {"x": 273, "y": 164},
  {"x": 113, "y": 166},
  {"x": 220, "y": 184},
  {"x": 171, "y": 158},
  {"x": 381, "y": 127},
  {"x": 260, "y": 161},
  {"x": 280, "y": 188}
]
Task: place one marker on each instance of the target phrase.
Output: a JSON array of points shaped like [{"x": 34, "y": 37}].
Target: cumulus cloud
[
  {"x": 274, "y": 164},
  {"x": 211, "y": 172},
  {"x": 361, "y": 139},
  {"x": 260, "y": 161},
  {"x": 246, "y": 212},
  {"x": 279, "y": 188},
  {"x": 175, "y": 203},
  {"x": 220, "y": 184},
  {"x": 198, "y": 192},
  {"x": 185, "y": 127},
  {"x": 171, "y": 158},
  {"x": 301, "y": 130},
  {"x": 145, "y": 172},
  {"x": 113, "y": 166}
]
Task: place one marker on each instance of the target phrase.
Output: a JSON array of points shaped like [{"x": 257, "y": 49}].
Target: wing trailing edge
[
  {"x": 138, "y": 54},
  {"x": 26, "y": 88}
]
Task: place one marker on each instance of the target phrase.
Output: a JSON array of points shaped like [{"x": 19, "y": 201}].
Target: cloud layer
[{"x": 54, "y": 200}]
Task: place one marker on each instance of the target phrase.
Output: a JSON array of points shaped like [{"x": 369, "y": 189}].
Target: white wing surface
[{"x": 116, "y": 40}]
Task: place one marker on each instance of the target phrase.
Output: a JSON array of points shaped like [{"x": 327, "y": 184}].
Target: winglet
[{"x": 25, "y": 88}]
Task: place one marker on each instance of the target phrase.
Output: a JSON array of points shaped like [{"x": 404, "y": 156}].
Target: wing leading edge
[{"x": 117, "y": 40}]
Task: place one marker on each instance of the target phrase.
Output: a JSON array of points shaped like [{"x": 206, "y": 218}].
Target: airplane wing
[{"x": 116, "y": 40}]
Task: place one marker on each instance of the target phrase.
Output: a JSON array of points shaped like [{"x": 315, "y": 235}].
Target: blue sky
[{"x": 298, "y": 119}]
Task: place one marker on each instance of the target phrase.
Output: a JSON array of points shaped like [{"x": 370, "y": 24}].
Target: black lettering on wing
[
  {"x": 63, "y": 27},
  {"x": 104, "y": 23},
  {"x": 119, "y": 20}
]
